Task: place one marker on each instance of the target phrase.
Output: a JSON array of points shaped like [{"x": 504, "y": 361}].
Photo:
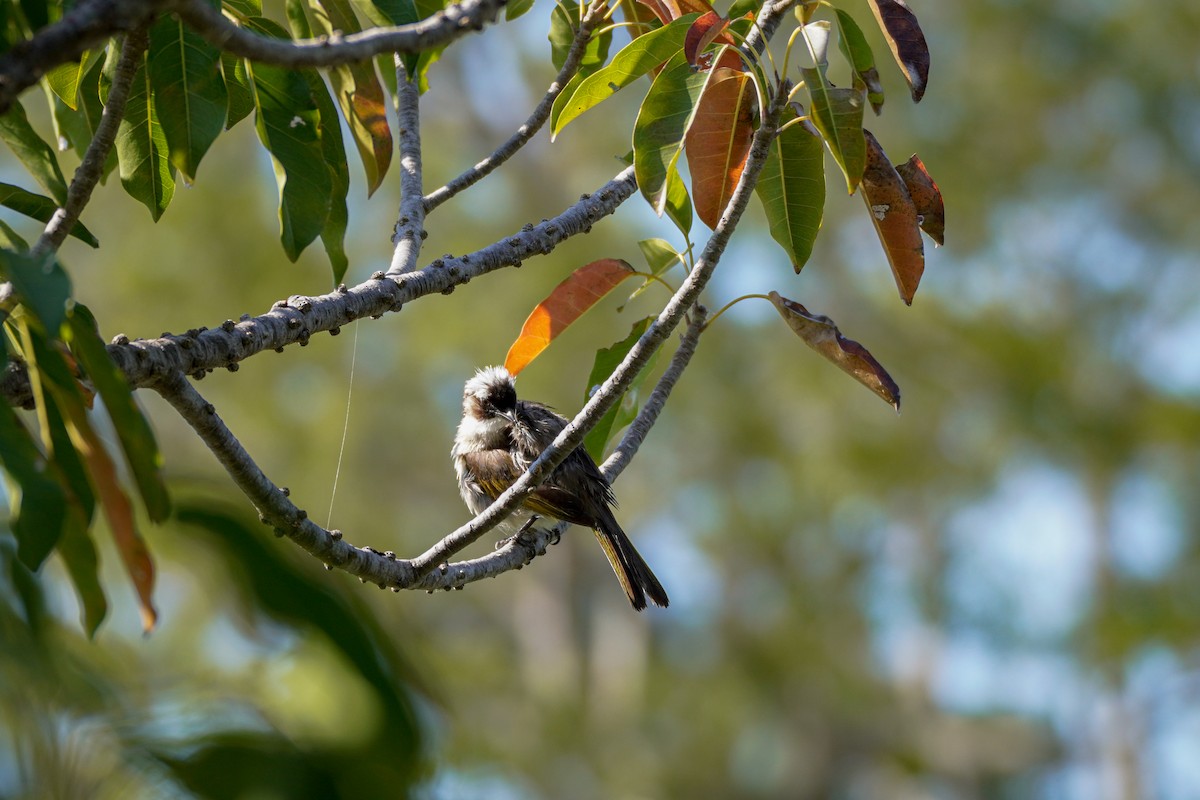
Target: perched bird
[{"x": 497, "y": 440}]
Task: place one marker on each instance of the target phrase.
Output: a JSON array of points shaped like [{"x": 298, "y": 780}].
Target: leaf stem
[{"x": 731, "y": 304}]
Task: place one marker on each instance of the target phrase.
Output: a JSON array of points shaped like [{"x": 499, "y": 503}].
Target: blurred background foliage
[{"x": 992, "y": 595}]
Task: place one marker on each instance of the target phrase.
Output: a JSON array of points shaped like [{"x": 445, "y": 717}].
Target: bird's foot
[{"x": 519, "y": 537}]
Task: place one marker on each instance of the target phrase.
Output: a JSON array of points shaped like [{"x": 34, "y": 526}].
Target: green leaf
[
  {"x": 11, "y": 240},
  {"x": 358, "y": 93},
  {"x": 133, "y": 431},
  {"x": 333, "y": 235},
  {"x": 92, "y": 109},
  {"x": 142, "y": 152},
  {"x": 79, "y": 554},
  {"x": 40, "y": 208},
  {"x": 854, "y": 46},
  {"x": 660, "y": 256},
  {"x": 564, "y": 22},
  {"x": 792, "y": 188},
  {"x": 624, "y": 410},
  {"x": 405, "y": 12},
  {"x": 247, "y": 8},
  {"x": 42, "y": 285},
  {"x": 38, "y": 504},
  {"x": 190, "y": 98},
  {"x": 64, "y": 80},
  {"x": 838, "y": 115},
  {"x": 662, "y": 121},
  {"x": 288, "y": 125},
  {"x": 32, "y": 151},
  {"x": 633, "y": 61},
  {"x": 239, "y": 98},
  {"x": 679, "y": 203},
  {"x": 517, "y": 8}
]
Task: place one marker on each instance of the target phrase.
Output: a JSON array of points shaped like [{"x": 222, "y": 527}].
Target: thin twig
[
  {"x": 410, "y": 227},
  {"x": 616, "y": 463},
  {"x": 536, "y": 120},
  {"x": 91, "y": 169},
  {"x": 435, "y": 31}
]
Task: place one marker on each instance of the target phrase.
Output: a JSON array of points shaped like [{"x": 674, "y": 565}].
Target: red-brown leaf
[
  {"x": 904, "y": 36},
  {"x": 926, "y": 197},
  {"x": 668, "y": 10},
  {"x": 718, "y": 142},
  {"x": 895, "y": 219},
  {"x": 704, "y": 31},
  {"x": 582, "y": 289},
  {"x": 821, "y": 334}
]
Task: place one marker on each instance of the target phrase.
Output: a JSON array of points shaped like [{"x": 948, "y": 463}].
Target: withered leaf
[
  {"x": 895, "y": 218},
  {"x": 925, "y": 196}
]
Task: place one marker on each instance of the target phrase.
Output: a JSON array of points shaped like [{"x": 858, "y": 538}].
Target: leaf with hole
[
  {"x": 895, "y": 218},
  {"x": 925, "y": 196},
  {"x": 581, "y": 290},
  {"x": 821, "y": 334}
]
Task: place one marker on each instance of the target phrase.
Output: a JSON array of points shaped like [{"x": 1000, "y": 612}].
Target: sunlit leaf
[
  {"x": 333, "y": 235},
  {"x": 633, "y": 61},
  {"x": 32, "y": 151},
  {"x": 792, "y": 188},
  {"x": 838, "y": 115},
  {"x": 564, "y": 22},
  {"x": 516, "y": 8},
  {"x": 581, "y": 290},
  {"x": 718, "y": 140},
  {"x": 142, "y": 151},
  {"x": 406, "y": 12},
  {"x": 704, "y": 31},
  {"x": 42, "y": 286},
  {"x": 895, "y": 219},
  {"x": 132, "y": 428},
  {"x": 821, "y": 334},
  {"x": 64, "y": 79},
  {"x": 625, "y": 409},
  {"x": 661, "y": 124},
  {"x": 288, "y": 125},
  {"x": 40, "y": 208},
  {"x": 926, "y": 197},
  {"x": 240, "y": 100},
  {"x": 190, "y": 98},
  {"x": 678, "y": 202},
  {"x": 904, "y": 36},
  {"x": 358, "y": 93},
  {"x": 854, "y": 46},
  {"x": 660, "y": 256},
  {"x": 92, "y": 111}
]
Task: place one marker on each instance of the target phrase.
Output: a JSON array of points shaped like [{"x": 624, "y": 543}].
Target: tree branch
[
  {"x": 670, "y": 317},
  {"x": 85, "y": 26},
  {"x": 294, "y": 320},
  {"x": 91, "y": 169},
  {"x": 536, "y": 120},
  {"x": 410, "y": 227},
  {"x": 440, "y": 29},
  {"x": 616, "y": 463}
]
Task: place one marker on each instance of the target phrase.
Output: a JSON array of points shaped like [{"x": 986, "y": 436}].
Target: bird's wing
[{"x": 494, "y": 471}]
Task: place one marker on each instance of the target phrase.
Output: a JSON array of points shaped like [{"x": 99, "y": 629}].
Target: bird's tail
[{"x": 632, "y": 571}]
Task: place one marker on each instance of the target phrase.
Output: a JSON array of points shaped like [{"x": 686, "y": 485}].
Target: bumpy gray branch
[
  {"x": 440, "y": 29},
  {"x": 296, "y": 319},
  {"x": 410, "y": 227}
]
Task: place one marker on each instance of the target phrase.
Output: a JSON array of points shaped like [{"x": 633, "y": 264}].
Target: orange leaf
[
  {"x": 119, "y": 513},
  {"x": 926, "y": 197},
  {"x": 718, "y": 141},
  {"x": 819, "y": 333},
  {"x": 704, "y": 31},
  {"x": 582, "y": 289},
  {"x": 895, "y": 217}
]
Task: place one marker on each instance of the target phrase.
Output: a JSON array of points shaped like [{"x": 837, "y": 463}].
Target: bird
[{"x": 497, "y": 440}]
